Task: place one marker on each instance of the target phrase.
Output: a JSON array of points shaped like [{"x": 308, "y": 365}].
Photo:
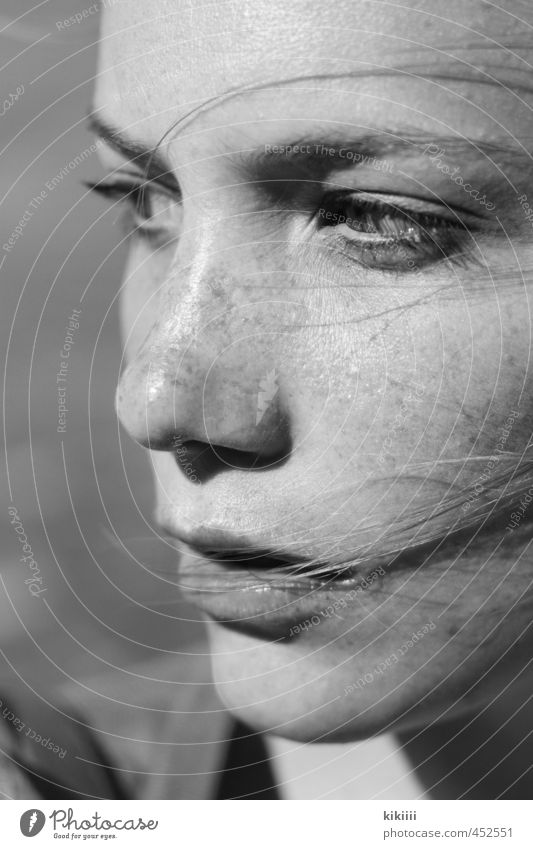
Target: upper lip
[{"x": 219, "y": 547}]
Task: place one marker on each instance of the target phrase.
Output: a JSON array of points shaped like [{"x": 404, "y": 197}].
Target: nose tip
[{"x": 226, "y": 430}]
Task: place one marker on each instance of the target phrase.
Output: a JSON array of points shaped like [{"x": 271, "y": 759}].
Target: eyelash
[
  {"x": 388, "y": 237},
  {"x": 383, "y": 234},
  {"x": 139, "y": 198}
]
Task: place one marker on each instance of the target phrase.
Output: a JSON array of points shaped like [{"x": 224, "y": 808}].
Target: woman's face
[{"x": 327, "y": 331}]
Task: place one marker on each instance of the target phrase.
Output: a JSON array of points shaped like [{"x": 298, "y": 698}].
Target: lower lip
[{"x": 248, "y": 602}]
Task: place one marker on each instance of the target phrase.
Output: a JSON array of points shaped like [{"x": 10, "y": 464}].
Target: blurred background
[{"x": 83, "y": 496}]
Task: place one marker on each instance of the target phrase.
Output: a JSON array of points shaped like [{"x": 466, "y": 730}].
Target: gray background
[{"x": 111, "y": 598}]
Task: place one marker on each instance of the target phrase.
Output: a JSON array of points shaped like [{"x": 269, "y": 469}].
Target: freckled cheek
[
  {"x": 442, "y": 374},
  {"x": 383, "y": 399}
]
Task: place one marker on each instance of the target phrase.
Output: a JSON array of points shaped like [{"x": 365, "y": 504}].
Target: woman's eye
[
  {"x": 387, "y": 236},
  {"x": 151, "y": 213}
]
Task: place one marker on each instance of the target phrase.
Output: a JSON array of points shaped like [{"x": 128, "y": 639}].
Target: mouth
[
  {"x": 259, "y": 592},
  {"x": 259, "y": 560}
]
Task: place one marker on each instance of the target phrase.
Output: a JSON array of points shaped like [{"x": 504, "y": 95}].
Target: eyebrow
[
  {"x": 320, "y": 155},
  {"x": 148, "y": 159}
]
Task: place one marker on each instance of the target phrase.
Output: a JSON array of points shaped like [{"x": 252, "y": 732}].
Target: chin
[{"x": 277, "y": 688}]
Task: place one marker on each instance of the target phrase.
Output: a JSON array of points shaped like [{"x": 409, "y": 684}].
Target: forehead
[{"x": 159, "y": 61}]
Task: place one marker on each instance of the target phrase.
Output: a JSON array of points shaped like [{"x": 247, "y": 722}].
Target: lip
[{"x": 244, "y": 593}]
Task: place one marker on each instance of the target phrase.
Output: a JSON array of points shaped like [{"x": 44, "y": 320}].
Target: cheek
[
  {"x": 139, "y": 300},
  {"x": 404, "y": 410},
  {"x": 429, "y": 381}
]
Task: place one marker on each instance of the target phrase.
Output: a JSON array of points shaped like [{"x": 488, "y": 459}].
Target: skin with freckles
[{"x": 327, "y": 327}]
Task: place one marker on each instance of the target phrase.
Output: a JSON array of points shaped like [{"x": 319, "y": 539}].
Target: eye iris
[
  {"x": 381, "y": 221},
  {"x": 391, "y": 225},
  {"x": 391, "y": 238}
]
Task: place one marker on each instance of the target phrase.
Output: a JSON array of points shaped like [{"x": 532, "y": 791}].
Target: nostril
[{"x": 201, "y": 461}]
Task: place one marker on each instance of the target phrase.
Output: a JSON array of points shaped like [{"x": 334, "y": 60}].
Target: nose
[{"x": 207, "y": 384}]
